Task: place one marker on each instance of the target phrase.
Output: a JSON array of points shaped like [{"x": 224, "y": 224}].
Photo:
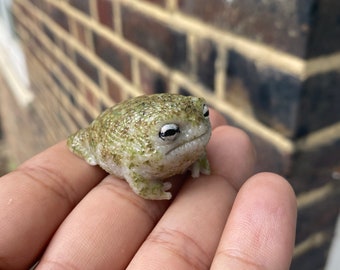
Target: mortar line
[
  {"x": 55, "y": 50},
  {"x": 323, "y": 64},
  {"x": 241, "y": 116},
  {"x": 220, "y": 79},
  {"x": 242, "y": 119},
  {"x": 65, "y": 81},
  {"x": 313, "y": 241},
  {"x": 48, "y": 85},
  {"x": 135, "y": 70},
  {"x": 93, "y": 9},
  {"x": 261, "y": 53},
  {"x": 100, "y": 64},
  {"x": 315, "y": 195},
  {"x": 238, "y": 116},
  {"x": 319, "y": 138},
  {"x": 251, "y": 124},
  {"x": 117, "y": 19},
  {"x": 153, "y": 62},
  {"x": 171, "y": 5},
  {"x": 116, "y": 76},
  {"x": 258, "y": 52},
  {"x": 192, "y": 60}
]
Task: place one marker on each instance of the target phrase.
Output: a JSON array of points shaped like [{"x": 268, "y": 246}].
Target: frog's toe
[
  {"x": 91, "y": 160},
  {"x": 155, "y": 194},
  {"x": 164, "y": 196},
  {"x": 156, "y": 190},
  {"x": 160, "y": 196},
  {"x": 166, "y": 186},
  {"x": 200, "y": 166},
  {"x": 149, "y": 189}
]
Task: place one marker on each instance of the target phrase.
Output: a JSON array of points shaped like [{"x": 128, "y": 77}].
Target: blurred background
[{"x": 272, "y": 67}]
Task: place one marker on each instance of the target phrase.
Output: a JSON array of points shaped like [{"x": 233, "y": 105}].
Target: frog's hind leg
[
  {"x": 79, "y": 144},
  {"x": 149, "y": 189}
]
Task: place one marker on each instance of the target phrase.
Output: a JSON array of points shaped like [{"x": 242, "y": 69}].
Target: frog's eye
[
  {"x": 205, "y": 111},
  {"x": 169, "y": 132}
]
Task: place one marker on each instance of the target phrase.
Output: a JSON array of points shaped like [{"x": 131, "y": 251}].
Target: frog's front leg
[
  {"x": 200, "y": 166},
  {"x": 149, "y": 189}
]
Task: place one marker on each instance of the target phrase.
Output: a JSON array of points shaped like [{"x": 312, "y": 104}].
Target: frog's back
[{"x": 122, "y": 131}]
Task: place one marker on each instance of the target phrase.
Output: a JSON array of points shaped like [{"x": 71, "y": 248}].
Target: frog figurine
[{"x": 147, "y": 139}]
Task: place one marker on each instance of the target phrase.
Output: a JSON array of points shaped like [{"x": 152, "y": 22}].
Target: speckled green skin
[{"x": 125, "y": 141}]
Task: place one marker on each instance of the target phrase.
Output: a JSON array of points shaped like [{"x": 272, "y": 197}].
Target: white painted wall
[
  {"x": 12, "y": 58},
  {"x": 333, "y": 262}
]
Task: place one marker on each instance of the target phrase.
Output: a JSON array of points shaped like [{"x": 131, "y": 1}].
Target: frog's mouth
[{"x": 197, "y": 143}]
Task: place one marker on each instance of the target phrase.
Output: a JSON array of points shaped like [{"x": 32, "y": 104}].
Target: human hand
[{"x": 76, "y": 217}]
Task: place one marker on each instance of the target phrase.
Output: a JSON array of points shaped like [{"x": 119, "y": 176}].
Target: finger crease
[
  {"x": 224, "y": 178},
  {"x": 182, "y": 246},
  {"x": 133, "y": 200},
  {"x": 51, "y": 181},
  {"x": 51, "y": 264},
  {"x": 245, "y": 259}
]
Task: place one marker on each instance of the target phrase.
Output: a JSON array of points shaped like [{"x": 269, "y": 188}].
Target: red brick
[
  {"x": 112, "y": 55},
  {"x": 82, "y": 5},
  {"x": 325, "y": 28},
  {"x": 114, "y": 90},
  {"x": 152, "y": 81},
  {"x": 88, "y": 68},
  {"x": 48, "y": 32},
  {"x": 269, "y": 157},
  {"x": 27, "y": 13},
  {"x": 68, "y": 73},
  {"x": 282, "y": 24},
  {"x": 90, "y": 97},
  {"x": 57, "y": 15},
  {"x": 89, "y": 118},
  {"x": 39, "y": 3},
  {"x": 206, "y": 55},
  {"x": 272, "y": 95},
  {"x": 105, "y": 12},
  {"x": 314, "y": 258},
  {"x": 314, "y": 167},
  {"x": 158, "y": 39},
  {"x": 319, "y": 105},
  {"x": 184, "y": 91},
  {"x": 80, "y": 33},
  {"x": 318, "y": 216}
]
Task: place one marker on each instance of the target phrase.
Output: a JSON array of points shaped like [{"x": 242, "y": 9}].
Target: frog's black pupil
[
  {"x": 170, "y": 132},
  {"x": 205, "y": 111}
]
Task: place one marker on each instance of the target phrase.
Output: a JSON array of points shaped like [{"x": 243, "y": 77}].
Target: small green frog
[{"x": 148, "y": 139}]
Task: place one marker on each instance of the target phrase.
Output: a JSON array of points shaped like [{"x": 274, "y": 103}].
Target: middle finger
[
  {"x": 187, "y": 235},
  {"x": 104, "y": 230}
]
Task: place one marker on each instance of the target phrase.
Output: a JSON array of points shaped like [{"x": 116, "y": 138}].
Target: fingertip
[
  {"x": 275, "y": 183},
  {"x": 261, "y": 227},
  {"x": 273, "y": 192},
  {"x": 274, "y": 199},
  {"x": 231, "y": 154}
]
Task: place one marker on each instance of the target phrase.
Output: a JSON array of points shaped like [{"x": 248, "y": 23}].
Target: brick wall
[{"x": 271, "y": 67}]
